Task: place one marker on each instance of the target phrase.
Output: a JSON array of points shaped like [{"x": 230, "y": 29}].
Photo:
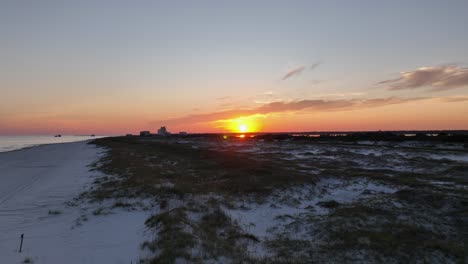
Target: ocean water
[{"x": 9, "y": 143}]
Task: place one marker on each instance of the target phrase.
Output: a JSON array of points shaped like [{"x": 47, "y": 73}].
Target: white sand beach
[{"x": 35, "y": 186}]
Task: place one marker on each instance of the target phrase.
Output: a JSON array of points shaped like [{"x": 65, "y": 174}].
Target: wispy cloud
[
  {"x": 293, "y": 72},
  {"x": 350, "y": 94},
  {"x": 438, "y": 78},
  {"x": 290, "y": 106},
  {"x": 454, "y": 99},
  {"x": 299, "y": 70},
  {"x": 315, "y": 65}
]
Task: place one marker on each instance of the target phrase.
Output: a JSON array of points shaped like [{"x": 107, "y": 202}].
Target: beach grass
[{"x": 195, "y": 185}]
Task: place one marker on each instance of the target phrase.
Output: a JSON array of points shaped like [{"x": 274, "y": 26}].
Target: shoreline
[
  {"x": 41, "y": 140},
  {"x": 40, "y": 145},
  {"x": 39, "y": 187}
]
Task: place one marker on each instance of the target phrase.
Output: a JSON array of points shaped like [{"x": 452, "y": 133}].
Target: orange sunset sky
[{"x": 102, "y": 67}]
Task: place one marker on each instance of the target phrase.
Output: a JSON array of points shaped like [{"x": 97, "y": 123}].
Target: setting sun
[
  {"x": 245, "y": 124},
  {"x": 242, "y": 128}
]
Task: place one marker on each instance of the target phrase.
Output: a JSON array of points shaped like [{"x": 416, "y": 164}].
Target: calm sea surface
[{"x": 8, "y": 143}]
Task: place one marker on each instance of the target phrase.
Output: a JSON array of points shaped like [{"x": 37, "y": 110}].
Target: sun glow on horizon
[
  {"x": 243, "y": 128},
  {"x": 248, "y": 124}
]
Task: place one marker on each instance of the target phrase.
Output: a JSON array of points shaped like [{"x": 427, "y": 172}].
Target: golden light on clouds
[{"x": 243, "y": 124}]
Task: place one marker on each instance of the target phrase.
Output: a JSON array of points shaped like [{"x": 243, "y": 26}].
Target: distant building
[
  {"x": 145, "y": 133},
  {"x": 163, "y": 131}
]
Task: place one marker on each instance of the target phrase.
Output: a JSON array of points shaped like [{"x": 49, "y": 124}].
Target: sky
[{"x": 117, "y": 67}]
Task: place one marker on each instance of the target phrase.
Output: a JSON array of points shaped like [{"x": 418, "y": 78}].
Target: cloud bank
[
  {"x": 438, "y": 78},
  {"x": 292, "y": 106}
]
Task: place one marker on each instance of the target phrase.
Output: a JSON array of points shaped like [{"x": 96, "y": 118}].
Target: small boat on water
[{"x": 58, "y": 135}]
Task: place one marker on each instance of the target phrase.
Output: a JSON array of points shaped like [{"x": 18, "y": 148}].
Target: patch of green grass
[
  {"x": 288, "y": 250},
  {"x": 361, "y": 211},
  {"x": 329, "y": 204},
  {"x": 28, "y": 260},
  {"x": 55, "y": 212},
  {"x": 397, "y": 240},
  {"x": 98, "y": 211},
  {"x": 141, "y": 168},
  {"x": 190, "y": 170},
  {"x": 121, "y": 204},
  {"x": 172, "y": 241},
  {"x": 381, "y": 233},
  {"x": 220, "y": 236}
]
